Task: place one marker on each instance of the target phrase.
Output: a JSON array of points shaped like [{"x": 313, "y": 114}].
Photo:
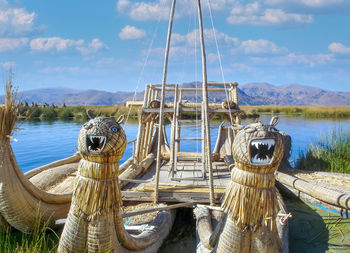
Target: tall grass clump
[
  {"x": 42, "y": 239},
  {"x": 330, "y": 153}
]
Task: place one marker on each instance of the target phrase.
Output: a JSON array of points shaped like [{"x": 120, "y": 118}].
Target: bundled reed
[
  {"x": 251, "y": 197},
  {"x": 8, "y": 115},
  {"x": 94, "y": 222},
  {"x": 251, "y": 200}
]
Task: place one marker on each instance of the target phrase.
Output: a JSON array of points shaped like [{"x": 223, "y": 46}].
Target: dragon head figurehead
[
  {"x": 251, "y": 197},
  {"x": 258, "y": 148},
  {"x": 102, "y": 139}
]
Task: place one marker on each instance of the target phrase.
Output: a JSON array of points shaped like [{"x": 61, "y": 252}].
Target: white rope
[
  {"x": 142, "y": 70},
  {"x": 219, "y": 57}
]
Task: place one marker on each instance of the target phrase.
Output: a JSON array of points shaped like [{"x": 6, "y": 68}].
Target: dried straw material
[
  {"x": 95, "y": 222},
  {"x": 8, "y": 115},
  {"x": 251, "y": 197}
]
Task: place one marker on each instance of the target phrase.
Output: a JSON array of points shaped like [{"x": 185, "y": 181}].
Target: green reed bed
[
  {"x": 330, "y": 153},
  {"x": 317, "y": 112},
  {"x": 43, "y": 239},
  {"x": 78, "y": 113}
]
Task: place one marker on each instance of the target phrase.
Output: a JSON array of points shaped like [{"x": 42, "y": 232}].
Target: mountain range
[{"x": 249, "y": 94}]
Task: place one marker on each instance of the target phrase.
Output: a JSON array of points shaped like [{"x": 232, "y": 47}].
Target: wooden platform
[{"x": 189, "y": 185}]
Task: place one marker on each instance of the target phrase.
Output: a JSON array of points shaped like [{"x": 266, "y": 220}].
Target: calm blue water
[{"x": 40, "y": 143}]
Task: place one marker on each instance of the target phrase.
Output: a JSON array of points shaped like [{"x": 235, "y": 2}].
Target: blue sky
[{"x": 119, "y": 45}]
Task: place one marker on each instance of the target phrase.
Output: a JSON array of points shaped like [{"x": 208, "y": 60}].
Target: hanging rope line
[
  {"x": 219, "y": 57},
  {"x": 143, "y": 69}
]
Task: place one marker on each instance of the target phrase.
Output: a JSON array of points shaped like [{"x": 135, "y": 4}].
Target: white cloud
[
  {"x": 293, "y": 59},
  {"x": 122, "y": 5},
  {"x": 192, "y": 38},
  {"x": 94, "y": 46},
  {"x": 15, "y": 21},
  {"x": 131, "y": 33},
  {"x": 338, "y": 48},
  {"x": 308, "y": 3},
  {"x": 65, "y": 69},
  {"x": 59, "y": 44},
  {"x": 11, "y": 44},
  {"x": 149, "y": 11},
  {"x": 259, "y": 47},
  {"x": 159, "y": 9},
  {"x": 53, "y": 43},
  {"x": 255, "y": 14}
]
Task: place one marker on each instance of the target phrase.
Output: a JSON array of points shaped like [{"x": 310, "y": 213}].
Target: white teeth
[
  {"x": 257, "y": 160},
  {"x": 91, "y": 139},
  {"x": 269, "y": 142},
  {"x": 102, "y": 139}
]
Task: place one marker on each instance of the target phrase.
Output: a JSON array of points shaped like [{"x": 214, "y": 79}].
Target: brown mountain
[
  {"x": 249, "y": 94},
  {"x": 296, "y": 94}
]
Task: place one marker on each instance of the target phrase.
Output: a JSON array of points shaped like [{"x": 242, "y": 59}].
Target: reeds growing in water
[{"x": 330, "y": 153}]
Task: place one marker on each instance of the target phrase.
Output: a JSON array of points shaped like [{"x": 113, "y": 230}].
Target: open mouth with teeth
[
  {"x": 261, "y": 151},
  {"x": 95, "y": 144}
]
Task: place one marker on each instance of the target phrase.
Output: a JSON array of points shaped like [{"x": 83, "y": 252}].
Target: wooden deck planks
[{"x": 195, "y": 190}]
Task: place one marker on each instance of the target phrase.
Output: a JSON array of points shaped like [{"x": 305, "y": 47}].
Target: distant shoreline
[{"x": 78, "y": 113}]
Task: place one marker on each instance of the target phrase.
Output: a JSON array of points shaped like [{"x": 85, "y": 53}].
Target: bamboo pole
[
  {"x": 149, "y": 138},
  {"x": 173, "y": 129},
  {"x": 147, "y": 127},
  {"x": 205, "y": 106},
  {"x": 141, "y": 128},
  {"x": 161, "y": 111}
]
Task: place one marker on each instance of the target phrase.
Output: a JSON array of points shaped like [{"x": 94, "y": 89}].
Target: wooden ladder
[{"x": 175, "y": 146}]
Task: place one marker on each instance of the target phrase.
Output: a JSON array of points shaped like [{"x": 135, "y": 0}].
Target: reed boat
[{"x": 43, "y": 195}]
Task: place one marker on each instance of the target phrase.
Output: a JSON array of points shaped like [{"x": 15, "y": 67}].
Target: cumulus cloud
[
  {"x": 259, "y": 47},
  {"x": 308, "y": 3},
  {"x": 145, "y": 10},
  {"x": 292, "y": 59},
  {"x": 94, "y": 46},
  {"x": 11, "y": 44},
  {"x": 255, "y": 14},
  {"x": 123, "y": 5},
  {"x": 53, "y": 43},
  {"x": 131, "y": 33},
  {"x": 192, "y": 37},
  {"x": 73, "y": 70},
  {"x": 59, "y": 44},
  {"x": 15, "y": 21},
  {"x": 338, "y": 48}
]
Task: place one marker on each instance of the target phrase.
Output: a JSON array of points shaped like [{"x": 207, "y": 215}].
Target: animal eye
[
  {"x": 87, "y": 125},
  {"x": 114, "y": 129}
]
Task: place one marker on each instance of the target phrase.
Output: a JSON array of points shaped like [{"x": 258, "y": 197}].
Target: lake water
[{"x": 40, "y": 143}]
